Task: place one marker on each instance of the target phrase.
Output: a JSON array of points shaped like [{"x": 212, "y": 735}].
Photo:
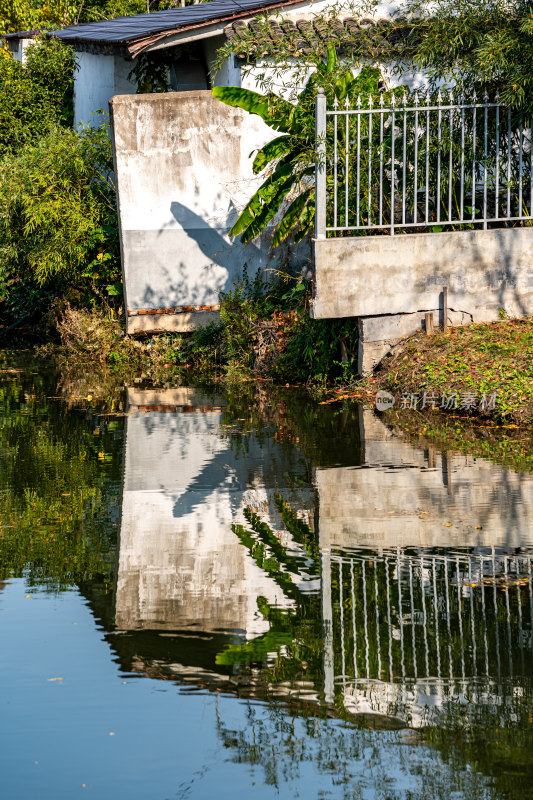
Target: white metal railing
[{"x": 421, "y": 162}]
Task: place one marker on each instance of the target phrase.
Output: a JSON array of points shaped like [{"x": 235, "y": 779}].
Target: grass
[{"x": 479, "y": 360}]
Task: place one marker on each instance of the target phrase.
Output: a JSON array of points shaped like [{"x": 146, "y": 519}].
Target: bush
[
  {"x": 35, "y": 97},
  {"x": 58, "y": 218},
  {"x": 268, "y": 330}
]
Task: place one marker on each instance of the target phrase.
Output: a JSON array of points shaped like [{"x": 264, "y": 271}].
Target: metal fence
[{"x": 421, "y": 162}]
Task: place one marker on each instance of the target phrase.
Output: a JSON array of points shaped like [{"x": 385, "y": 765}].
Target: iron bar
[
  {"x": 474, "y": 132},
  {"x": 358, "y": 160},
  {"x": 520, "y": 166},
  {"x": 485, "y": 152},
  {"x": 474, "y": 165},
  {"x": 393, "y": 165},
  {"x": 462, "y": 198},
  {"x": 404, "y": 165},
  {"x": 439, "y": 134},
  {"x": 370, "y": 103},
  {"x": 497, "y": 175},
  {"x": 509, "y": 139},
  {"x": 415, "y": 168},
  {"x": 346, "y": 164},
  {"x": 335, "y": 169},
  {"x": 450, "y": 170},
  {"x": 320, "y": 165}
]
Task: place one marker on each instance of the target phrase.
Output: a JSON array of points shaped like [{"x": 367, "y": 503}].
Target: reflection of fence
[
  {"x": 418, "y": 635},
  {"x": 421, "y": 616},
  {"x": 433, "y": 164}
]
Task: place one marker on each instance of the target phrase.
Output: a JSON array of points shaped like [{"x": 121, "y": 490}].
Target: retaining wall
[{"x": 391, "y": 281}]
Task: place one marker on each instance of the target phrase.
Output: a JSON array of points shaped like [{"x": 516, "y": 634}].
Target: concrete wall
[
  {"x": 484, "y": 271},
  {"x": 183, "y": 175},
  {"x": 97, "y": 79},
  {"x": 389, "y": 282}
]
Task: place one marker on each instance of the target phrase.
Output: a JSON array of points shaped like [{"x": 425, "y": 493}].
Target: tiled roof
[{"x": 145, "y": 29}]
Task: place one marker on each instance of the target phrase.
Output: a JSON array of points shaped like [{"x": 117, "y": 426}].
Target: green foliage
[
  {"x": 50, "y": 66},
  {"x": 481, "y": 359},
  {"x": 57, "y": 213},
  {"x": 289, "y": 160},
  {"x": 35, "y": 97},
  {"x": 150, "y": 71},
  {"x": 61, "y": 480},
  {"x": 484, "y": 45},
  {"x": 268, "y": 330}
]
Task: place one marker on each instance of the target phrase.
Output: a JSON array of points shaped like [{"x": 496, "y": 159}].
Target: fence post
[{"x": 320, "y": 165}]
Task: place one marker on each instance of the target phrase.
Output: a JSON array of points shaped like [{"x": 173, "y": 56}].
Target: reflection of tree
[
  {"x": 354, "y": 762},
  {"x": 291, "y": 648},
  {"x": 61, "y": 481},
  {"x": 324, "y": 435}
]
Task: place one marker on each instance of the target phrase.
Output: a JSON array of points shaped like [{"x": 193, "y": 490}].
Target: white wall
[
  {"x": 97, "y": 79},
  {"x": 183, "y": 173},
  {"x": 19, "y": 54}
]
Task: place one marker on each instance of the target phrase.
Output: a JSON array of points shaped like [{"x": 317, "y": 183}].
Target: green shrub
[
  {"x": 57, "y": 216},
  {"x": 35, "y": 97},
  {"x": 268, "y": 330}
]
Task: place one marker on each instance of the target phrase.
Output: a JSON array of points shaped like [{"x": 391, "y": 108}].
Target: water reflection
[
  {"x": 213, "y": 540},
  {"x": 380, "y": 594},
  {"x": 180, "y": 565}
]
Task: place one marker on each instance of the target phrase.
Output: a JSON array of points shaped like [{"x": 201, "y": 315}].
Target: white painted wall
[
  {"x": 183, "y": 173},
  {"x": 19, "y": 54},
  {"x": 97, "y": 79}
]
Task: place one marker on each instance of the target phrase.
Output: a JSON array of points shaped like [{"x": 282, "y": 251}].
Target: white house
[{"x": 182, "y": 158}]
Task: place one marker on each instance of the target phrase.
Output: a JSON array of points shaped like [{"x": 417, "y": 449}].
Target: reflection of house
[
  {"x": 415, "y": 630},
  {"x": 402, "y": 496},
  {"x": 438, "y": 595},
  {"x": 180, "y": 566}
]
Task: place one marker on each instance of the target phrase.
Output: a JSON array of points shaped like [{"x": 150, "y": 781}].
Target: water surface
[{"x": 207, "y": 594}]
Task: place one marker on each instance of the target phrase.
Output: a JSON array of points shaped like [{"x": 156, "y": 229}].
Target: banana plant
[{"x": 288, "y": 160}]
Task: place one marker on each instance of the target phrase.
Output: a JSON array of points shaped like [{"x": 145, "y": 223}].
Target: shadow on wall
[
  {"x": 232, "y": 255},
  {"x": 192, "y": 262}
]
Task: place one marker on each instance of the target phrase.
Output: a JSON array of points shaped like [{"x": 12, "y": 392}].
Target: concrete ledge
[
  {"x": 175, "y": 323},
  {"x": 378, "y": 336},
  {"x": 371, "y": 275}
]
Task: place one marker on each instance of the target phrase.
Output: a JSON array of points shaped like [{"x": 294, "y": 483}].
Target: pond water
[{"x": 232, "y": 595}]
